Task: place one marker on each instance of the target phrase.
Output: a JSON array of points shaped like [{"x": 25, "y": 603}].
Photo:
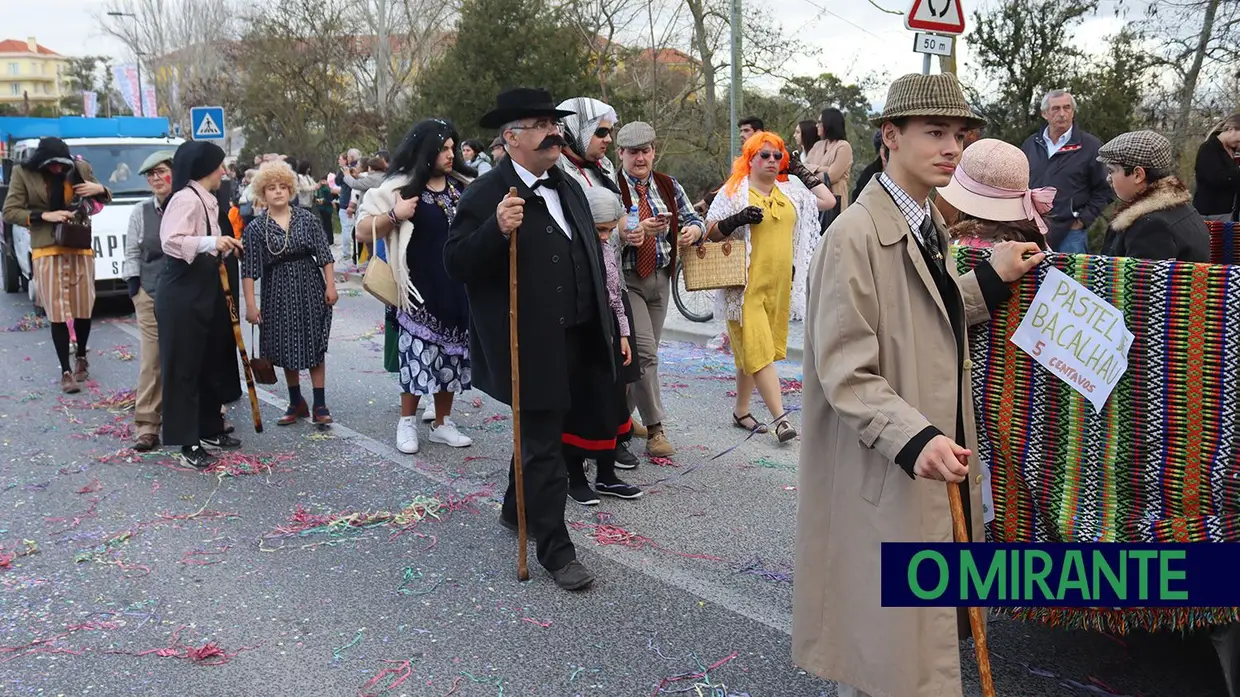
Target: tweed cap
[
  {"x": 1145, "y": 149},
  {"x": 927, "y": 95},
  {"x": 635, "y": 135},
  {"x": 156, "y": 158}
]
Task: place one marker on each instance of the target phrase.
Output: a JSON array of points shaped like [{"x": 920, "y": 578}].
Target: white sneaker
[
  {"x": 428, "y": 414},
  {"x": 448, "y": 435},
  {"x": 407, "y": 435}
]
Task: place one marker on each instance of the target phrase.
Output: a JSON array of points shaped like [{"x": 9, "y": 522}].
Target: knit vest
[
  {"x": 666, "y": 187},
  {"x": 152, "y": 250}
]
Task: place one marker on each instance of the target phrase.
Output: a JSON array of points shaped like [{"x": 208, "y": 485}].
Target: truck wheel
[{"x": 12, "y": 273}]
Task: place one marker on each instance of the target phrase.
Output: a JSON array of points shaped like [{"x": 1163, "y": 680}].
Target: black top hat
[{"x": 521, "y": 103}]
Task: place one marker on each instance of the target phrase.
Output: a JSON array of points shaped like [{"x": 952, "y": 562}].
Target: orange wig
[{"x": 741, "y": 168}]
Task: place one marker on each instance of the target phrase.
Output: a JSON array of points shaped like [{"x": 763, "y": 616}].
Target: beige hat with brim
[
  {"x": 992, "y": 183},
  {"x": 927, "y": 95}
]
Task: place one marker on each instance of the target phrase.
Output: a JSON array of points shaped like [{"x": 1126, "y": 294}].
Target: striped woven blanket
[
  {"x": 1223, "y": 247},
  {"x": 1160, "y": 463}
]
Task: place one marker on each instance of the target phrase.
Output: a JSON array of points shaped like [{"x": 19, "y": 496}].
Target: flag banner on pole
[
  {"x": 148, "y": 101},
  {"x": 126, "y": 76},
  {"x": 1159, "y": 463},
  {"x": 90, "y": 104}
]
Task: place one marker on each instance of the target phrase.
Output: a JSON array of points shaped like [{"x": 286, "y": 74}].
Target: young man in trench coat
[{"x": 888, "y": 406}]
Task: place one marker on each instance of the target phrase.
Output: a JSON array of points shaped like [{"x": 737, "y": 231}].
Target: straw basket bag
[{"x": 714, "y": 265}]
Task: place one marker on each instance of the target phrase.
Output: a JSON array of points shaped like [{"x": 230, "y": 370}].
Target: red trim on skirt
[{"x": 601, "y": 446}]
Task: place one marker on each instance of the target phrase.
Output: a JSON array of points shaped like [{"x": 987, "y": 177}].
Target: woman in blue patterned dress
[
  {"x": 287, "y": 248},
  {"x": 411, "y": 212}
]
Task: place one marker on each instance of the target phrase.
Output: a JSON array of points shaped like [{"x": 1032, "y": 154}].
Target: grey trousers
[{"x": 649, "y": 298}]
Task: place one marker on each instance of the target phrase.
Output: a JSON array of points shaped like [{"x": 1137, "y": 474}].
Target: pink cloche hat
[{"x": 992, "y": 183}]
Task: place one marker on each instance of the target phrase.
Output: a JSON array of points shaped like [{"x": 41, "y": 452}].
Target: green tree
[
  {"x": 1109, "y": 93},
  {"x": 502, "y": 44},
  {"x": 1022, "y": 47},
  {"x": 80, "y": 76}
]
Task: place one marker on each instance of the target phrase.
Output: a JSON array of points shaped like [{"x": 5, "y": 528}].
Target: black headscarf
[
  {"x": 52, "y": 151},
  {"x": 194, "y": 160},
  {"x": 415, "y": 158}
]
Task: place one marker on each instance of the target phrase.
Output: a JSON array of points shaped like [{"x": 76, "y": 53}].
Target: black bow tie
[{"x": 548, "y": 183}]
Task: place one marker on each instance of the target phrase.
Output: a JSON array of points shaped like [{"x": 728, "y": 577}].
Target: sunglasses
[
  {"x": 602, "y": 132},
  {"x": 766, "y": 155}
]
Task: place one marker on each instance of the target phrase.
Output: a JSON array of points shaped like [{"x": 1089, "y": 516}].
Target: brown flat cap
[
  {"x": 1145, "y": 149},
  {"x": 927, "y": 95}
]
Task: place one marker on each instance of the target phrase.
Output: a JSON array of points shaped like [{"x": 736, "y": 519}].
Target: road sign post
[
  {"x": 940, "y": 20},
  {"x": 207, "y": 123}
]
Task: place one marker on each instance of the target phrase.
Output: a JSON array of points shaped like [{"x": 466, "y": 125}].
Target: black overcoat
[{"x": 476, "y": 254}]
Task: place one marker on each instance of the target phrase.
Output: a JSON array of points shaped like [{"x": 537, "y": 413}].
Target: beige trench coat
[{"x": 880, "y": 366}]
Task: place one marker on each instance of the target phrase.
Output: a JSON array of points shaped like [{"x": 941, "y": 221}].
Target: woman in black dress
[
  {"x": 287, "y": 248},
  {"x": 411, "y": 212},
  {"x": 197, "y": 348}
]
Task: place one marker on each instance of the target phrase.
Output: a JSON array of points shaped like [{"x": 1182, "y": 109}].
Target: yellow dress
[{"x": 761, "y": 338}]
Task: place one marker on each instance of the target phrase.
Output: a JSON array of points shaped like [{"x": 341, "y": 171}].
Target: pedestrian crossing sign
[{"x": 207, "y": 122}]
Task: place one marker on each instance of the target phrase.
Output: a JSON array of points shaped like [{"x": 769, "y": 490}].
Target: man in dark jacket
[
  {"x": 1157, "y": 219},
  {"x": 562, "y": 304},
  {"x": 1065, "y": 157}
]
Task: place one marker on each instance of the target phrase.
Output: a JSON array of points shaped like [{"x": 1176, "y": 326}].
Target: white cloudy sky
[{"x": 853, "y": 36}]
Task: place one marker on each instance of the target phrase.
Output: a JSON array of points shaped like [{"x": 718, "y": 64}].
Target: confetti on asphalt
[
  {"x": 357, "y": 638},
  {"x": 7, "y": 557},
  {"x": 29, "y": 323},
  {"x": 398, "y": 674}
]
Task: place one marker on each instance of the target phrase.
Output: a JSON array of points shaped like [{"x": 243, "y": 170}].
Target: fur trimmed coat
[{"x": 1160, "y": 223}]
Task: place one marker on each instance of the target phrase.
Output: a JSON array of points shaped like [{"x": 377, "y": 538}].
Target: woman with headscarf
[
  {"x": 588, "y": 131},
  {"x": 51, "y": 188},
  {"x": 410, "y": 211},
  {"x": 197, "y": 348},
  {"x": 776, "y": 217},
  {"x": 991, "y": 190}
]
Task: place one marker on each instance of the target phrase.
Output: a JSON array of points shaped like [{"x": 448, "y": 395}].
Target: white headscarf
[{"x": 579, "y": 127}]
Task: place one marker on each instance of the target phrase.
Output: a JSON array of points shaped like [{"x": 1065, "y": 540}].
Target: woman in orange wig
[{"x": 776, "y": 216}]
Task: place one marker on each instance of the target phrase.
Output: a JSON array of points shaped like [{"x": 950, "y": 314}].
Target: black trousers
[
  {"x": 542, "y": 459},
  {"x": 546, "y": 487}
]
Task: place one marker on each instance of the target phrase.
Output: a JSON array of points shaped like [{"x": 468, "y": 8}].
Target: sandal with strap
[
  {"x": 739, "y": 422},
  {"x": 785, "y": 432}
]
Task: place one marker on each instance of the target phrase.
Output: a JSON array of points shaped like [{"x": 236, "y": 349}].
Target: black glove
[
  {"x": 751, "y": 215},
  {"x": 798, "y": 169},
  {"x": 134, "y": 283}
]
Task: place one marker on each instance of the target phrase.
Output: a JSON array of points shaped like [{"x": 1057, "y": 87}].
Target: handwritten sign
[{"x": 1076, "y": 335}]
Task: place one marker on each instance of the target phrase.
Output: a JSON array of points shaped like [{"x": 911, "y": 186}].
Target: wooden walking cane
[
  {"x": 245, "y": 359},
  {"x": 523, "y": 572},
  {"x": 976, "y": 622}
]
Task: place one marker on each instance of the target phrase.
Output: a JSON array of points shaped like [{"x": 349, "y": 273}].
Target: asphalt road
[{"x": 149, "y": 579}]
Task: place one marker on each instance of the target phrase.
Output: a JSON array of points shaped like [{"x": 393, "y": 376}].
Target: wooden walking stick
[
  {"x": 245, "y": 359},
  {"x": 976, "y": 622},
  {"x": 523, "y": 572}
]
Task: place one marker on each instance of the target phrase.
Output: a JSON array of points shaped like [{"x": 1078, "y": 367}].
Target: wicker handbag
[{"x": 714, "y": 265}]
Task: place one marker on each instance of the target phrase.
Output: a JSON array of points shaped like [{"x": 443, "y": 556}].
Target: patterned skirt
[
  {"x": 65, "y": 286},
  {"x": 430, "y": 360}
]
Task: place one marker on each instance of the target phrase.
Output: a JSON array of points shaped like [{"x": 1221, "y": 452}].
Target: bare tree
[
  {"x": 181, "y": 44},
  {"x": 403, "y": 38},
  {"x": 603, "y": 24}
]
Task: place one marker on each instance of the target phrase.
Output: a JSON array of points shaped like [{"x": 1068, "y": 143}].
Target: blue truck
[{"x": 115, "y": 149}]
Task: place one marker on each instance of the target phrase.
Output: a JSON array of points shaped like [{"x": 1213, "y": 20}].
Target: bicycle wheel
[{"x": 696, "y": 306}]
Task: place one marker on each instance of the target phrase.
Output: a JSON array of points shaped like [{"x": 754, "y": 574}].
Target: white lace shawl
[{"x": 728, "y": 301}]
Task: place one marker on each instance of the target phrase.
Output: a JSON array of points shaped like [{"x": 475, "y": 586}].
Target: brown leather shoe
[
  {"x": 146, "y": 442},
  {"x": 639, "y": 431},
  {"x": 301, "y": 411},
  {"x": 659, "y": 446},
  {"x": 81, "y": 371},
  {"x": 68, "y": 385}
]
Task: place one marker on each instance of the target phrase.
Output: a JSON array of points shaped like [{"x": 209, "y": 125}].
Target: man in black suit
[{"x": 562, "y": 305}]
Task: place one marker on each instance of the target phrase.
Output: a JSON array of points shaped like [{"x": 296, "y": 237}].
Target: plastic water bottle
[{"x": 632, "y": 223}]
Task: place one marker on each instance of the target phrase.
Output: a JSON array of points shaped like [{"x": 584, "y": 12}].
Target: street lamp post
[{"x": 138, "y": 63}]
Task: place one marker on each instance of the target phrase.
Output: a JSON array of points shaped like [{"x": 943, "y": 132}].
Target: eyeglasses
[
  {"x": 766, "y": 155},
  {"x": 539, "y": 126},
  {"x": 602, "y": 132},
  {"x": 158, "y": 173}
]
